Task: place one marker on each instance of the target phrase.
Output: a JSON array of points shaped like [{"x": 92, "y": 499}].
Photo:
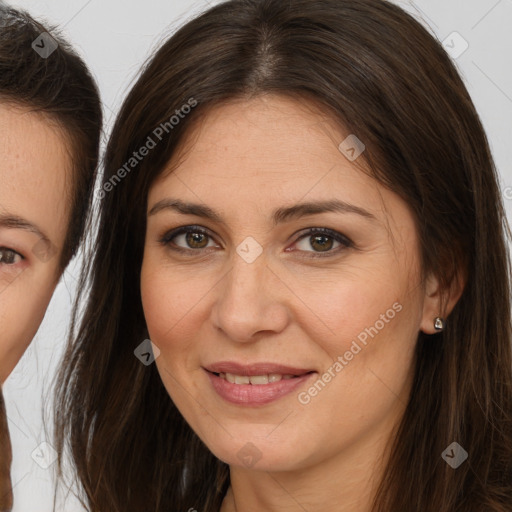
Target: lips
[{"x": 255, "y": 384}]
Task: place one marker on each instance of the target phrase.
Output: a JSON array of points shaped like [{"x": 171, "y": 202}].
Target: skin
[
  {"x": 244, "y": 160},
  {"x": 33, "y": 170}
]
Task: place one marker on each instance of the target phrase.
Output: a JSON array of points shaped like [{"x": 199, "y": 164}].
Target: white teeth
[
  {"x": 254, "y": 379},
  {"x": 259, "y": 379}
]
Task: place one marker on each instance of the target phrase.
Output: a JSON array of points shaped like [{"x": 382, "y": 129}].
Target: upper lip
[{"x": 254, "y": 368}]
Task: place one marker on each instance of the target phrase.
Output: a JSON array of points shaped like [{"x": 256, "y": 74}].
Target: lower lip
[{"x": 255, "y": 394}]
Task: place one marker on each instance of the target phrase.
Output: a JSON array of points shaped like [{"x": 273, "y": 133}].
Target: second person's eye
[{"x": 9, "y": 257}]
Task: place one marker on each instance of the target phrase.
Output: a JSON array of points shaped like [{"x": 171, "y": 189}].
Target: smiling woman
[
  {"x": 50, "y": 121},
  {"x": 317, "y": 253}
]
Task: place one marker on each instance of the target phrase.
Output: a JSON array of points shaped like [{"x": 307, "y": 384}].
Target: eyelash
[
  {"x": 7, "y": 250},
  {"x": 338, "y": 237}
]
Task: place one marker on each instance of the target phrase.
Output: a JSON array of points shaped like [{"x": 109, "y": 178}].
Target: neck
[{"x": 5, "y": 459}]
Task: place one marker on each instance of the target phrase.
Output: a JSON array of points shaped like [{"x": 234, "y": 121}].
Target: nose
[{"x": 251, "y": 301}]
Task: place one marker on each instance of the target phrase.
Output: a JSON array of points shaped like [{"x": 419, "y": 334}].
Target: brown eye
[
  {"x": 196, "y": 240},
  {"x": 322, "y": 241},
  {"x": 188, "y": 238},
  {"x": 9, "y": 257}
]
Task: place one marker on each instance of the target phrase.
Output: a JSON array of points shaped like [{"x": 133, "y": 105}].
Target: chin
[
  {"x": 259, "y": 453},
  {"x": 251, "y": 458}
]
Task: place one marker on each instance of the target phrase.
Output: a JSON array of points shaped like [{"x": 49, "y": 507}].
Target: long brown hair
[{"x": 382, "y": 76}]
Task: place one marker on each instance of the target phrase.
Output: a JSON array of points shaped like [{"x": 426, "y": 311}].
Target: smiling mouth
[{"x": 256, "y": 384}]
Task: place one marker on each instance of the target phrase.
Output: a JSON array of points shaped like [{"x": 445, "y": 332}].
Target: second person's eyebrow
[
  {"x": 279, "y": 216},
  {"x": 9, "y": 221}
]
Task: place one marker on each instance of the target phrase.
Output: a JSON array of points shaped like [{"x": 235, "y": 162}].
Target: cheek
[
  {"x": 174, "y": 312},
  {"x": 370, "y": 347},
  {"x": 361, "y": 314},
  {"x": 376, "y": 299},
  {"x": 343, "y": 306},
  {"x": 172, "y": 305},
  {"x": 366, "y": 328},
  {"x": 367, "y": 367},
  {"x": 22, "y": 309}
]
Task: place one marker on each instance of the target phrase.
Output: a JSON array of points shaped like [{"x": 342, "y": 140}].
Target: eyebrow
[
  {"x": 15, "y": 222},
  {"x": 280, "y": 215}
]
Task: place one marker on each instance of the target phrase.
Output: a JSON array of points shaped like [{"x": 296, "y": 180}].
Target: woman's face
[
  {"x": 282, "y": 287},
  {"x": 33, "y": 222}
]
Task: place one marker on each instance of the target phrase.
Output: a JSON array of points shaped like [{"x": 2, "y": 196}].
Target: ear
[{"x": 438, "y": 301}]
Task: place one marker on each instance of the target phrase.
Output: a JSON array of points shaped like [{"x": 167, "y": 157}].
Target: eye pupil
[
  {"x": 321, "y": 242},
  {"x": 7, "y": 257},
  {"x": 196, "y": 240}
]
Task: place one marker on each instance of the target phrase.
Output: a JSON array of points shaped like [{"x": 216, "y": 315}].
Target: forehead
[
  {"x": 35, "y": 168},
  {"x": 266, "y": 148},
  {"x": 262, "y": 133}
]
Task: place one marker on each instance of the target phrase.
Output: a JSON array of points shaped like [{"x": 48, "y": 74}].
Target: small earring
[{"x": 438, "y": 323}]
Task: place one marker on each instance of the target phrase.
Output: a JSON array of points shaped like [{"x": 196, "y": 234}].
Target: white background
[{"x": 115, "y": 37}]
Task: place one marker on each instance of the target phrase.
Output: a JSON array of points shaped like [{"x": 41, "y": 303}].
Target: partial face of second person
[
  {"x": 34, "y": 166},
  {"x": 246, "y": 287}
]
